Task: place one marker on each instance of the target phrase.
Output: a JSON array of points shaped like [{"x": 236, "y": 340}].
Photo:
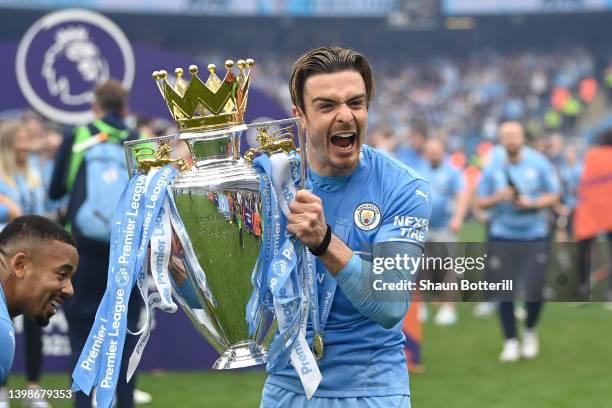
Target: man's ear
[
  {"x": 97, "y": 111},
  {"x": 18, "y": 264},
  {"x": 297, "y": 113}
]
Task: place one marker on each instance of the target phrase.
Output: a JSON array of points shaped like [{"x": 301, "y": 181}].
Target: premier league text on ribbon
[
  {"x": 121, "y": 279},
  {"x": 139, "y": 206}
]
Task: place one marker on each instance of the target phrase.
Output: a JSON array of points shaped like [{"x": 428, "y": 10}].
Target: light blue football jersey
[
  {"x": 445, "y": 182},
  {"x": 393, "y": 203},
  {"x": 7, "y": 338},
  {"x": 412, "y": 159},
  {"x": 570, "y": 178},
  {"x": 533, "y": 176}
]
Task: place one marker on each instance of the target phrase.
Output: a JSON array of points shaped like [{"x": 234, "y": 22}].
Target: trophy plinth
[{"x": 240, "y": 355}]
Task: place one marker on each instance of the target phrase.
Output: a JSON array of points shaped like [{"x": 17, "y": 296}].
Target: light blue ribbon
[
  {"x": 280, "y": 275},
  {"x": 130, "y": 238},
  {"x": 85, "y": 374}
]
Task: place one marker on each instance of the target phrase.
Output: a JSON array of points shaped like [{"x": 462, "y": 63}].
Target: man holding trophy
[
  {"x": 270, "y": 257},
  {"x": 361, "y": 201}
]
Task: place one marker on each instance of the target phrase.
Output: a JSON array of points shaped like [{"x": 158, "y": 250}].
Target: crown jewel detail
[{"x": 198, "y": 105}]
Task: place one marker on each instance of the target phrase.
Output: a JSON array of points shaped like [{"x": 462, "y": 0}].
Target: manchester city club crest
[
  {"x": 367, "y": 216},
  {"x": 64, "y": 55}
]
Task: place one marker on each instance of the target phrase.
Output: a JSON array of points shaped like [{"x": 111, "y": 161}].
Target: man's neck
[
  {"x": 328, "y": 170},
  {"x": 516, "y": 158},
  {"x": 5, "y": 287}
]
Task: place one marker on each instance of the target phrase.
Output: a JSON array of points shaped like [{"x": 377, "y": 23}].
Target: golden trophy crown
[{"x": 199, "y": 106}]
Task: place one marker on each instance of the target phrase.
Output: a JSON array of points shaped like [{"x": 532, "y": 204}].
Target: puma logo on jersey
[{"x": 419, "y": 192}]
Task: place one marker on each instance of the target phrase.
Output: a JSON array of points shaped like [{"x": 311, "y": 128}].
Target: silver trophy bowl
[{"x": 218, "y": 200}]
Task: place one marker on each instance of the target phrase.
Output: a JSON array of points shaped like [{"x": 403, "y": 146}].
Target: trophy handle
[
  {"x": 282, "y": 123},
  {"x": 136, "y": 158},
  {"x": 303, "y": 154}
]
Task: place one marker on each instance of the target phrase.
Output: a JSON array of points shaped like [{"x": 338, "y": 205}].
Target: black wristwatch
[{"x": 320, "y": 250}]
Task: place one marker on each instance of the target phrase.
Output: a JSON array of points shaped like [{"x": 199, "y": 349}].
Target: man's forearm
[
  {"x": 462, "y": 200},
  {"x": 487, "y": 202},
  {"x": 337, "y": 255},
  {"x": 385, "y": 307},
  {"x": 547, "y": 200}
]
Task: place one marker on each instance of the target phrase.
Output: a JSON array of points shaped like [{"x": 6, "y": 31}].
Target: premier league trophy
[{"x": 217, "y": 197}]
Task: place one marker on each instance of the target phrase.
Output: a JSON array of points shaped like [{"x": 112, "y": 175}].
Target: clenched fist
[{"x": 307, "y": 220}]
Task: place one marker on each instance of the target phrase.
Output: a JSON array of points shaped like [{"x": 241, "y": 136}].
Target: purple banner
[
  {"x": 189, "y": 350},
  {"x": 52, "y": 70},
  {"x": 64, "y": 54}
]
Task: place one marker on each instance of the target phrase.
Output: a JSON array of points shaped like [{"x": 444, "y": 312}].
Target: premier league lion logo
[
  {"x": 73, "y": 47},
  {"x": 64, "y": 55}
]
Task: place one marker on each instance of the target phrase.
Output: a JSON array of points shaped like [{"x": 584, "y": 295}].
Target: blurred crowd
[
  {"x": 28, "y": 145},
  {"x": 460, "y": 101},
  {"x": 439, "y": 113},
  {"x": 464, "y": 99}
]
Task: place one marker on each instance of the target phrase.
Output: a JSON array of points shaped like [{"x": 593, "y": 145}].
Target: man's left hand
[
  {"x": 307, "y": 220},
  {"x": 524, "y": 203}
]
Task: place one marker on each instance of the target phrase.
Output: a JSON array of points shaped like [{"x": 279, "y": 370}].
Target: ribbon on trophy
[
  {"x": 285, "y": 270},
  {"x": 139, "y": 216},
  {"x": 168, "y": 220},
  {"x": 261, "y": 296},
  {"x": 161, "y": 245}
]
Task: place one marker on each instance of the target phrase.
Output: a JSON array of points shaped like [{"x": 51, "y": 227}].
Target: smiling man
[
  {"x": 362, "y": 205},
  {"x": 37, "y": 260}
]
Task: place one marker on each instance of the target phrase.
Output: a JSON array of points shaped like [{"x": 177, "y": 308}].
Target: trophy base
[{"x": 239, "y": 355}]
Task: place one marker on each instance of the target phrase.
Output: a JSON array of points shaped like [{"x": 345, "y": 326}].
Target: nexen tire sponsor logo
[{"x": 414, "y": 228}]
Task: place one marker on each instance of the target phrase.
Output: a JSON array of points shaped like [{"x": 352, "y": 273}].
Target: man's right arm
[
  {"x": 492, "y": 200},
  {"x": 486, "y": 196},
  {"x": 57, "y": 187},
  {"x": 400, "y": 238},
  {"x": 362, "y": 282}
]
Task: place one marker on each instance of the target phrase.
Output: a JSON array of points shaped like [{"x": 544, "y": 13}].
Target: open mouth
[
  {"x": 54, "y": 305},
  {"x": 344, "y": 140}
]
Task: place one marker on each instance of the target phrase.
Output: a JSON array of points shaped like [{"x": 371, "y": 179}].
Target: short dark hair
[
  {"x": 328, "y": 60},
  {"x": 29, "y": 228},
  {"x": 111, "y": 96}
]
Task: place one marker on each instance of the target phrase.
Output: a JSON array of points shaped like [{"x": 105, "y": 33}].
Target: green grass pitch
[{"x": 461, "y": 368}]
